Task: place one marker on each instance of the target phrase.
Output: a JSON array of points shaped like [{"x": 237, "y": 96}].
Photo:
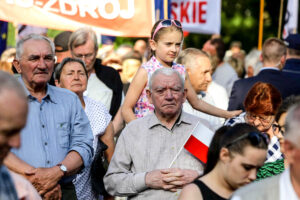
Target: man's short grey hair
[
  {"x": 292, "y": 125},
  {"x": 20, "y": 43},
  {"x": 167, "y": 72},
  {"x": 9, "y": 82},
  {"x": 81, "y": 36},
  {"x": 188, "y": 56}
]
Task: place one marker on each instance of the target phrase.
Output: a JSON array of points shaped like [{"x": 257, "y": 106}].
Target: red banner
[{"x": 130, "y": 18}]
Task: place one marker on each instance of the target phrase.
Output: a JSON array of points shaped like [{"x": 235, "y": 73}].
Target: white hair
[
  {"x": 292, "y": 125},
  {"x": 167, "y": 72},
  {"x": 20, "y": 43}
]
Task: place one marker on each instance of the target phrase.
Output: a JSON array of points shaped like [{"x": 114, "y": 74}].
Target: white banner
[
  {"x": 198, "y": 16},
  {"x": 291, "y": 18}
]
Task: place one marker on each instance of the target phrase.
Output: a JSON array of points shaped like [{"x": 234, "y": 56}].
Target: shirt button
[
  {"x": 43, "y": 126},
  {"x": 41, "y": 108},
  {"x": 46, "y": 143},
  {"x": 48, "y": 162}
]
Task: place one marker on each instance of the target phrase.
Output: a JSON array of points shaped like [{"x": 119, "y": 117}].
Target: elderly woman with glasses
[
  {"x": 71, "y": 74},
  {"x": 234, "y": 156},
  {"x": 261, "y": 104}
]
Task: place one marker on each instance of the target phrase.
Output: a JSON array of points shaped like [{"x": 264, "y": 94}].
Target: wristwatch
[{"x": 63, "y": 168}]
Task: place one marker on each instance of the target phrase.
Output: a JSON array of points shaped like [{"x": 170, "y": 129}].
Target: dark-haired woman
[
  {"x": 234, "y": 156},
  {"x": 72, "y": 75}
]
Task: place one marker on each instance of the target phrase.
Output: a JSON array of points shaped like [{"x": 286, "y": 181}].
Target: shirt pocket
[{"x": 63, "y": 130}]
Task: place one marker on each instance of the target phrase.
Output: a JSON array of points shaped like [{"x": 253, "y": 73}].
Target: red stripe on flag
[{"x": 197, "y": 148}]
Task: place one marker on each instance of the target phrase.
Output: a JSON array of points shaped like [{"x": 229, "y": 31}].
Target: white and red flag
[{"x": 199, "y": 141}]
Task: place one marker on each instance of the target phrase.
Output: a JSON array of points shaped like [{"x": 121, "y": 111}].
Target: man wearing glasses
[{"x": 104, "y": 82}]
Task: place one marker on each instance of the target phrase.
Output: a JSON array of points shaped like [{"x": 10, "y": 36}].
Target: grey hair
[
  {"x": 20, "y": 43},
  {"x": 167, "y": 72},
  {"x": 292, "y": 125},
  {"x": 188, "y": 56},
  {"x": 61, "y": 65},
  {"x": 9, "y": 82},
  {"x": 81, "y": 36}
]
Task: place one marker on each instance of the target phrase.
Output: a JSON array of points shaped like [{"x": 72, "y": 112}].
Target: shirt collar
[
  {"x": 49, "y": 92},
  {"x": 154, "y": 121},
  {"x": 273, "y": 68}
]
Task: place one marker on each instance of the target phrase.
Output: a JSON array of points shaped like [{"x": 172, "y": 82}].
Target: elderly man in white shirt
[{"x": 198, "y": 67}]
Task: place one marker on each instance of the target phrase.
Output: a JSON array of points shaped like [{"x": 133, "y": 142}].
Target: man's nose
[
  {"x": 42, "y": 63},
  {"x": 169, "y": 94},
  {"x": 208, "y": 78}
]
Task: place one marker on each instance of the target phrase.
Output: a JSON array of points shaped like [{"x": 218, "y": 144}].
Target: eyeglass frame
[
  {"x": 260, "y": 119},
  {"x": 161, "y": 25},
  {"x": 250, "y": 135},
  {"x": 86, "y": 56}
]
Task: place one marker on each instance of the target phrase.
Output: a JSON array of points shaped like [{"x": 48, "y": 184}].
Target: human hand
[
  {"x": 154, "y": 179},
  {"x": 233, "y": 113},
  {"x": 179, "y": 177},
  {"x": 53, "y": 194},
  {"x": 44, "y": 179}
]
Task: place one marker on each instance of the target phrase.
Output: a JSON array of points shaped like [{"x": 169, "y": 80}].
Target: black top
[
  {"x": 207, "y": 193},
  {"x": 111, "y": 78}
]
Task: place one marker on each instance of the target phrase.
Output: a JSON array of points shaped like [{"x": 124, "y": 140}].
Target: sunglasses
[
  {"x": 254, "y": 137},
  {"x": 166, "y": 23}
]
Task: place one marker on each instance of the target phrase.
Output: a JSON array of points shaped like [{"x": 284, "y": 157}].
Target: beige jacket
[{"x": 267, "y": 189}]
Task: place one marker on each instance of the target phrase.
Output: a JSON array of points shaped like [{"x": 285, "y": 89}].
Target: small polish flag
[{"x": 199, "y": 141}]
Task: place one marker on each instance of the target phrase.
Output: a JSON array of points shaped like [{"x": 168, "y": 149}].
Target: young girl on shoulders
[{"x": 165, "y": 43}]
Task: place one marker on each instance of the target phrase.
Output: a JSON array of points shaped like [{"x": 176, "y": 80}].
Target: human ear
[
  {"x": 149, "y": 96},
  {"x": 16, "y": 64},
  {"x": 184, "y": 94},
  {"x": 152, "y": 45},
  {"x": 57, "y": 84},
  {"x": 224, "y": 155}
]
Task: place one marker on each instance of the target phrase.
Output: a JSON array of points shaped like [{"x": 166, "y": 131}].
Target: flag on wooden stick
[{"x": 199, "y": 141}]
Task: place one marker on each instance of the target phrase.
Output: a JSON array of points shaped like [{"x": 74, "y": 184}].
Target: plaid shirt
[
  {"x": 274, "y": 152},
  {"x": 7, "y": 188}
]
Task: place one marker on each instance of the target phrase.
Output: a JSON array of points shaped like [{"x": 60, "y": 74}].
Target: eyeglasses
[
  {"x": 265, "y": 121},
  {"x": 166, "y": 23},
  {"x": 86, "y": 56},
  {"x": 254, "y": 137},
  {"x": 281, "y": 129}
]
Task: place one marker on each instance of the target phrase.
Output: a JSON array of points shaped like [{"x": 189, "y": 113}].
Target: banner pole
[
  {"x": 165, "y": 9},
  {"x": 261, "y": 24},
  {"x": 280, "y": 19},
  {"x": 183, "y": 145}
]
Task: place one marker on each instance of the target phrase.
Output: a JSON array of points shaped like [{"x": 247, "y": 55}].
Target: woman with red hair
[{"x": 261, "y": 104}]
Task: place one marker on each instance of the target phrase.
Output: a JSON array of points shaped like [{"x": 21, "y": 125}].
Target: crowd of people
[{"x": 88, "y": 123}]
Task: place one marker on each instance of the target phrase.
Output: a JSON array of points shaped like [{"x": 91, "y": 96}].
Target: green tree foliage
[{"x": 240, "y": 21}]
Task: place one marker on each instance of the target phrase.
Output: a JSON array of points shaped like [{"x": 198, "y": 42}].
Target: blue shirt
[
  {"x": 55, "y": 126},
  {"x": 7, "y": 187}
]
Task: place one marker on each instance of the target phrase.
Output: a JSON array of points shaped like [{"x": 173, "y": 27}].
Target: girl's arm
[
  {"x": 134, "y": 92},
  {"x": 190, "y": 192},
  {"x": 202, "y": 106},
  {"x": 108, "y": 139}
]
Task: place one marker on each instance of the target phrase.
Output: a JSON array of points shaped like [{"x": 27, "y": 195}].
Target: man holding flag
[{"x": 149, "y": 160}]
